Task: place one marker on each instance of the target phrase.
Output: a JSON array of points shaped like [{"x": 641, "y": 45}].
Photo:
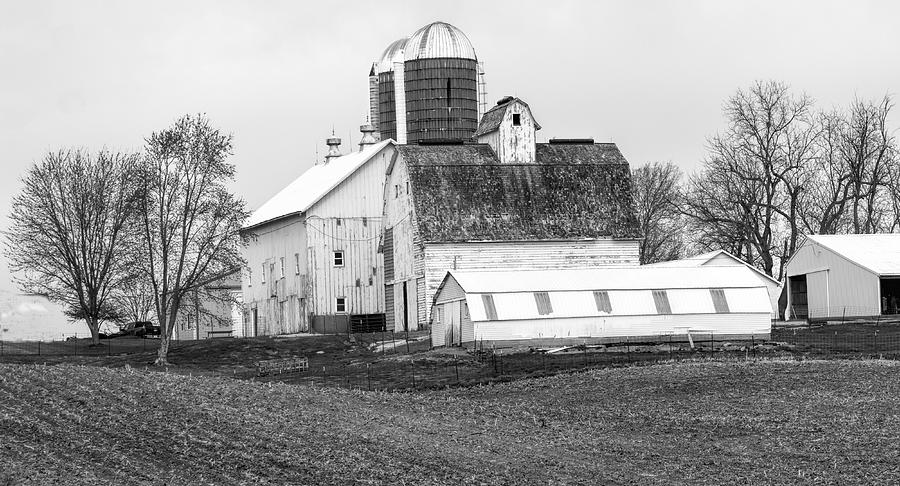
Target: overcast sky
[{"x": 650, "y": 76}]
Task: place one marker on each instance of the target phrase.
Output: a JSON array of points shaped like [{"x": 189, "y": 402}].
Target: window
[
  {"x": 297, "y": 263},
  {"x": 249, "y": 277},
  {"x": 438, "y": 311},
  {"x": 396, "y": 191},
  {"x": 282, "y": 267},
  {"x": 601, "y": 298},
  {"x": 719, "y": 300},
  {"x": 517, "y": 119},
  {"x": 262, "y": 274},
  {"x": 365, "y": 221},
  {"x": 489, "y": 310},
  {"x": 661, "y": 299},
  {"x": 340, "y": 304},
  {"x": 543, "y": 303},
  {"x": 339, "y": 258},
  {"x": 338, "y": 221},
  {"x": 407, "y": 187}
]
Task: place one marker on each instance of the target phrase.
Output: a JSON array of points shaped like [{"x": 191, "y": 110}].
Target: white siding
[
  {"x": 851, "y": 290},
  {"x": 817, "y": 293},
  {"x": 622, "y": 326}
]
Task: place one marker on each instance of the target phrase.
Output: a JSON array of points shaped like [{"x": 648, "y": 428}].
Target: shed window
[
  {"x": 661, "y": 299},
  {"x": 262, "y": 275},
  {"x": 719, "y": 300},
  {"x": 281, "y": 266},
  {"x": 438, "y": 310},
  {"x": 543, "y": 303},
  {"x": 340, "y": 304},
  {"x": 601, "y": 298},
  {"x": 489, "y": 309},
  {"x": 517, "y": 119},
  {"x": 339, "y": 258}
]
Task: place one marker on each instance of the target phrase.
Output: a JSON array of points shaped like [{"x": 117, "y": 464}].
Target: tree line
[
  {"x": 116, "y": 236},
  {"x": 781, "y": 168}
]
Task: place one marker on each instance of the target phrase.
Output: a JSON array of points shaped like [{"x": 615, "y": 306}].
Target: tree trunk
[
  {"x": 166, "y": 327},
  {"x": 94, "y": 326}
]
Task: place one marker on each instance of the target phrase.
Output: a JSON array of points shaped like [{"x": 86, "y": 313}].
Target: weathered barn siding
[
  {"x": 722, "y": 325},
  {"x": 836, "y": 286},
  {"x": 512, "y": 143},
  {"x": 440, "y": 258},
  {"x": 401, "y": 251},
  {"x": 280, "y": 301}
]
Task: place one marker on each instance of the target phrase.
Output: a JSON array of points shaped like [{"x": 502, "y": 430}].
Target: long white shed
[{"x": 652, "y": 302}]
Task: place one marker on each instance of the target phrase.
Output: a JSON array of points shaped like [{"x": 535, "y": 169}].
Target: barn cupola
[
  {"x": 334, "y": 150},
  {"x": 509, "y": 128},
  {"x": 369, "y": 136}
]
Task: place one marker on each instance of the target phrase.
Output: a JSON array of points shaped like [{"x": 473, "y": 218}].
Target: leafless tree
[
  {"x": 190, "y": 219},
  {"x": 67, "y": 230},
  {"x": 867, "y": 147},
  {"x": 757, "y": 167},
  {"x": 656, "y": 189}
]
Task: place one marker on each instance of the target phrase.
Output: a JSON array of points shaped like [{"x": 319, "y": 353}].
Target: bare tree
[
  {"x": 867, "y": 147},
  {"x": 67, "y": 230},
  {"x": 133, "y": 298},
  {"x": 190, "y": 218},
  {"x": 656, "y": 189}
]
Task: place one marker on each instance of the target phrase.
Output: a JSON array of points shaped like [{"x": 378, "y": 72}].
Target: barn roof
[
  {"x": 612, "y": 278},
  {"x": 312, "y": 185},
  {"x": 572, "y": 191},
  {"x": 705, "y": 258},
  {"x": 492, "y": 119},
  {"x": 879, "y": 253}
]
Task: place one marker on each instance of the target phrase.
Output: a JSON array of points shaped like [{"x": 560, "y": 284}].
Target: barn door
[{"x": 452, "y": 323}]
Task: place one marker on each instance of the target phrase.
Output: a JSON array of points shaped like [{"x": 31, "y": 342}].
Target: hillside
[{"x": 707, "y": 423}]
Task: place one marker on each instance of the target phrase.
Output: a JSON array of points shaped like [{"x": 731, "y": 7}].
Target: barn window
[
  {"x": 438, "y": 310},
  {"x": 262, "y": 274},
  {"x": 297, "y": 263},
  {"x": 719, "y": 301},
  {"x": 339, "y": 258},
  {"x": 396, "y": 191},
  {"x": 338, "y": 221},
  {"x": 601, "y": 298},
  {"x": 489, "y": 310},
  {"x": 340, "y": 304},
  {"x": 661, "y": 299},
  {"x": 517, "y": 119},
  {"x": 281, "y": 267},
  {"x": 249, "y": 277},
  {"x": 543, "y": 303}
]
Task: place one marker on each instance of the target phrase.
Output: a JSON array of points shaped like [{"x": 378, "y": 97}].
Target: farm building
[
  {"x": 578, "y": 305},
  {"x": 311, "y": 250},
  {"x": 213, "y": 311},
  {"x": 838, "y": 276},
  {"x": 504, "y": 203},
  {"x": 30, "y": 317},
  {"x": 720, "y": 258}
]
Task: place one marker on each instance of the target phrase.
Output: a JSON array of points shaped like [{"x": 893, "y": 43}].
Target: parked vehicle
[{"x": 140, "y": 329}]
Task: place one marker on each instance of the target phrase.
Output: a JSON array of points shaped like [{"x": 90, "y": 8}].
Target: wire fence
[{"x": 82, "y": 347}]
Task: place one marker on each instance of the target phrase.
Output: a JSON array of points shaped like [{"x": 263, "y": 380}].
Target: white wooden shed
[
  {"x": 841, "y": 276},
  {"x": 721, "y": 258},
  {"x": 649, "y": 302}
]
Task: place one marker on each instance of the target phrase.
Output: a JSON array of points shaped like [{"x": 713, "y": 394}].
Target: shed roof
[
  {"x": 572, "y": 191},
  {"x": 879, "y": 253},
  {"x": 312, "y": 185},
  {"x": 704, "y": 258},
  {"x": 617, "y": 278}
]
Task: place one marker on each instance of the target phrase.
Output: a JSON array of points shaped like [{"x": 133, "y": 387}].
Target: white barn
[
  {"x": 839, "y": 276},
  {"x": 650, "y": 302},
  {"x": 721, "y": 258}
]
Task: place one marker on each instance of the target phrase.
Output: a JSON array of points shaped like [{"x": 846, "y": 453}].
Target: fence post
[
  {"x": 456, "y": 366},
  {"x": 392, "y": 341},
  {"x": 324, "y": 377},
  {"x": 584, "y": 345},
  {"x": 413, "y": 376},
  {"x": 39, "y": 347},
  {"x": 628, "y": 348},
  {"x": 876, "y": 341},
  {"x": 407, "y": 341},
  {"x": 753, "y": 345}
]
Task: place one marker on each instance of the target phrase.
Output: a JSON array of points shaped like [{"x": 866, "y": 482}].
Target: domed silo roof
[
  {"x": 393, "y": 53},
  {"x": 437, "y": 40}
]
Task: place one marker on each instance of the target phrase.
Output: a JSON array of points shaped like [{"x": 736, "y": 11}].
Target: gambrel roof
[{"x": 572, "y": 191}]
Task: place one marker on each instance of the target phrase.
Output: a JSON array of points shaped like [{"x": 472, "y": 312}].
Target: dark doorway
[
  {"x": 890, "y": 295},
  {"x": 405, "y": 309},
  {"x": 799, "y": 303}
]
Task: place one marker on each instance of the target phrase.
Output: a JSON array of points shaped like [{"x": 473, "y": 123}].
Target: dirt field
[{"x": 764, "y": 422}]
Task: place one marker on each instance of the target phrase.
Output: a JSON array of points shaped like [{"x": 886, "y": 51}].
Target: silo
[
  {"x": 429, "y": 84},
  {"x": 441, "y": 84}
]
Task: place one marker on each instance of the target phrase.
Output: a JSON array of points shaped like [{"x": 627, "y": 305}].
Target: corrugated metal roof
[
  {"x": 439, "y": 39},
  {"x": 879, "y": 253},
  {"x": 393, "y": 53},
  {"x": 620, "y": 278},
  {"x": 312, "y": 185}
]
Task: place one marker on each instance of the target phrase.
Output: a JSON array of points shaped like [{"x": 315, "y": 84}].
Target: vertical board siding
[
  {"x": 450, "y": 291},
  {"x": 852, "y": 290}
]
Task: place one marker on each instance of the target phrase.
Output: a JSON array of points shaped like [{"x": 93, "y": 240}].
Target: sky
[{"x": 650, "y": 76}]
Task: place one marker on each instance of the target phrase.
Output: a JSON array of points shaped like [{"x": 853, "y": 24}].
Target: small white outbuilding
[
  {"x": 841, "y": 276},
  {"x": 649, "y": 302}
]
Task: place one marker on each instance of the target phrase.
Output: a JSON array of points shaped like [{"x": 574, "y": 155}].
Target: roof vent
[
  {"x": 571, "y": 141},
  {"x": 442, "y": 141},
  {"x": 504, "y": 100},
  {"x": 369, "y": 136},
  {"x": 333, "y": 148}
]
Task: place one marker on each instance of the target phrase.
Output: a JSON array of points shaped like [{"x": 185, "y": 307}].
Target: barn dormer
[{"x": 509, "y": 128}]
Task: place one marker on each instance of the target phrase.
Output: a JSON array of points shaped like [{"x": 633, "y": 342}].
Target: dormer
[{"x": 509, "y": 128}]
